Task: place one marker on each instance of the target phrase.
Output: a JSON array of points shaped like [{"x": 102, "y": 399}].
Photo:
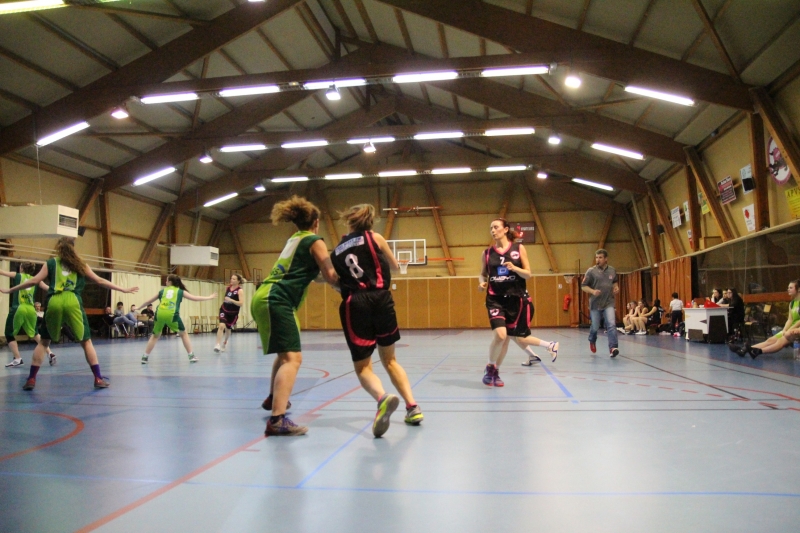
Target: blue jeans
[{"x": 610, "y": 316}]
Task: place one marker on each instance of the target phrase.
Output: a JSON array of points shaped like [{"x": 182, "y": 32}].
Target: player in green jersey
[
  {"x": 274, "y": 306},
  {"x": 66, "y": 274},
  {"x": 168, "y": 314},
  {"x": 22, "y": 314}
]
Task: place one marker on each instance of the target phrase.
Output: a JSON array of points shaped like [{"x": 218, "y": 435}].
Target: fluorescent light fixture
[
  {"x": 397, "y": 173},
  {"x": 255, "y": 1},
  {"x": 164, "y": 98},
  {"x": 154, "y": 176},
  {"x": 221, "y": 199},
  {"x": 333, "y": 93},
  {"x": 460, "y": 170},
  {"x": 554, "y": 139},
  {"x": 351, "y": 176},
  {"x": 439, "y": 135},
  {"x": 572, "y": 81},
  {"x": 425, "y": 76},
  {"x": 63, "y": 133},
  {"x": 315, "y": 85},
  {"x": 290, "y": 178},
  {"x": 541, "y": 175},
  {"x": 305, "y": 144},
  {"x": 509, "y": 131},
  {"x": 260, "y": 188},
  {"x": 509, "y": 168},
  {"x": 618, "y": 151},
  {"x": 369, "y": 148},
  {"x": 515, "y": 71},
  {"x": 243, "y": 148},
  {"x": 29, "y": 5},
  {"x": 245, "y": 91},
  {"x": 372, "y": 140},
  {"x": 593, "y": 184},
  {"x": 119, "y": 113},
  {"x": 206, "y": 158},
  {"x": 675, "y": 99}
]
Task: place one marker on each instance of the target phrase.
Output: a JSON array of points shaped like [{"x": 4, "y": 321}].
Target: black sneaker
[
  {"x": 267, "y": 404},
  {"x": 614, "y": 352},
  {"x": 284, "y": 428}
]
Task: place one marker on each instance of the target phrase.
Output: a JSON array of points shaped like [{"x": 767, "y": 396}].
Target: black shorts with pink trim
[
  {"x": 229, "y": 319},
  {"x": 511, "y": 312},
  {"x": 368, "y": 318}
]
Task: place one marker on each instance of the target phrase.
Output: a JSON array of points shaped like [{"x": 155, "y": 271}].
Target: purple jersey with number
[
  {"x": 360, "y": 263},
  {"x": 502, "y": 280}
]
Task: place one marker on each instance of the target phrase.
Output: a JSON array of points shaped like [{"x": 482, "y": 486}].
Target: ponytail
[
  {"x": 175, "y": 281},
  {"x": 360, "y": 217},
  {"x": 512, "y": 233}
]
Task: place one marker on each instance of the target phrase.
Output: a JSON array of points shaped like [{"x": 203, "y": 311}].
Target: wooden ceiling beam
[
  {"x": 710, "y": 193},
  {"x": 239, "y": 250},
  {"x": 29, "y": 65},
  {"x": 778, "y": 129},
  {"x": 592, "y": 54},
  {"x": 74, "y": 42},
  {"x": 437, "y": 220},
  {"x": 154, "y": 67},
  {"x": 655, "y": 239},
  {"x": 20, "y": 101},
  {"x": 535, "y": 212},
  {"x": 158, "y": 228},
  {"x": 635, "y": 239},
  {"x": 605, "y": 231},
  {"x": 366, "y": 20},
  {"x": 694, "y": 209},
  {"x": 105, "y": 227},
  {"x": 758, "y": 164},
  {"x": 143, "y": 14},
  {"x": 663, "y": 214},
  {"x": 711, "y": 30}
]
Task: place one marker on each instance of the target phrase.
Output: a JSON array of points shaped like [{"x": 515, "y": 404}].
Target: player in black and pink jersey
[
  {"x": 229, "y": 311},
  {"x": 363, "y": 262},
  {"x": 505, "y": 270}
]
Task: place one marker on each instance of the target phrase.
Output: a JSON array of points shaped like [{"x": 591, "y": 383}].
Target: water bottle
[{"x": 796, "y": 350}]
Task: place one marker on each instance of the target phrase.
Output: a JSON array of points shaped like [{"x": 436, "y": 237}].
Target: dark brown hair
[
  {"x": 65, "y": 249},
  {"x": 27, "y": 268},
  {"x": 512, "y": 233},
  {"x": 360, "y": 217},
  {"x": 297, "y": 210},
  {"x": 175, "y": 281}
]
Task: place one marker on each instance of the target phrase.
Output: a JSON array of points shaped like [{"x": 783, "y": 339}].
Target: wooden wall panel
[
  {"x": 563, "y": 289},
  {"x": 461, "y": 293},
  {"x": 400, "y": 296},
  {"x": 332, "y": 301},
  {"x": 315, "y": 307},
  {"x": 439, "y": 302},
  {"x": 418, "y": 306},
  {"x": 545, "y": 301},
  {"x": 480, "y": 318}
]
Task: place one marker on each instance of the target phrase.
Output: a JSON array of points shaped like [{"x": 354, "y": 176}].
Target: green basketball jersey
[
  {"x": 170, "y": 303},
  {"x": 62, "y": 279},
  {"x": 295, "y": 268},
  {"x": 26, "y": 296},
  {"x": 15, "y": 295}
]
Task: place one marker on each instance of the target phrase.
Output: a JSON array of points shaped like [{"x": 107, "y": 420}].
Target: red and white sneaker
[{"x": 593, "y": 347}]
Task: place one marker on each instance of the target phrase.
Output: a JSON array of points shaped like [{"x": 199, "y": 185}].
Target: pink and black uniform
[
  {"x": 367, "y": 308},
  {"x": 507, "y": 300},
  {"x": 229, "y": 313}
]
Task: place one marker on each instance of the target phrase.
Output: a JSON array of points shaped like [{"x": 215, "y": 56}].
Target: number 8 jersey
[{"x": 360, "y": 264}]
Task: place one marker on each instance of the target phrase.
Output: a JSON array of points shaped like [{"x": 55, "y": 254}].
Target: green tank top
[
  {"x": 62, "y": 279},
  {"x": 295, "y": 268},
  {"x": 26, "y": 296},
  {"x": 171, "y": 298},
  {"x": 794, "y": 310}
]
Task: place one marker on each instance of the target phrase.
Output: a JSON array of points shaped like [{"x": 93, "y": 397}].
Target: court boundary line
[{"x": 79, "y": 426}]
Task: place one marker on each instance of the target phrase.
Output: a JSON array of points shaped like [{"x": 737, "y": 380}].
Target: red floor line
[
  {"x": 78, "y": 428},
  {"x": 141, "y": 501}
]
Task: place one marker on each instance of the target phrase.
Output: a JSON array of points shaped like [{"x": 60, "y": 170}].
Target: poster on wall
[
  {"x": 793, "y": 199},
  {"x": 689, "y": 234},
  {"x": 746, "y": 175},
  {"x": 726, "y": 192},
  {"x": 749, "y": 217},
  {"x": 525, "y": 232},
  {"x": 777, "y": 164},
  {"x": 676, "y": 217},
  {"x": 704, "y": 209},
  {"x": 686, "y": 210}
]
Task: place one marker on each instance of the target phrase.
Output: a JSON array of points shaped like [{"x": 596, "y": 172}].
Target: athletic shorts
[
  {"x": 368, "y": 318},
  {"x": 65, "y": 308},
  {"x": 511, "y": 312},
  {"x": 277, "y": 322},
  {"x": 229, "y": 319},
  {"x": 173, "y": 322},
  {"x": 23, "y": 318}
]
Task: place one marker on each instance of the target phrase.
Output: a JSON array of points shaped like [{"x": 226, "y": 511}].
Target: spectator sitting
[
  {"x": 626, "y": 320},
  {"x": 149, "y": 314},
  {"x": 735, "y": 306},
  {"x": 676, "y": 313},
  {"x": 716, "y": 296},
  {"x": 133, "y": 315},
  {"x": 655, "y": 315},
  {"x": 783, "y": 338},
  {"x": 640, "y": 319},
  {"x": 725, "y": 300},
  {"x": 121, "y": 319},
  {"x": 39, "y": 315}
]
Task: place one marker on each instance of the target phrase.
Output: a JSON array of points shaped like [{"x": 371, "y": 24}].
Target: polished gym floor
[{"x": 669, "y": 436}]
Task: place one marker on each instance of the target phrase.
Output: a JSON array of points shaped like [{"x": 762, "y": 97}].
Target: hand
[
  {"x": 597, "y": 292},
  {"x": 213, "y": 295},
  {"x": 228, "y": 300},
  {"x": 509, "y": 265},
  {"x": 131, "y": 290},
  {"x": 482, "y": 286},
  {"x": 5, "y": 291},
  {"x": 616, "y": 289}
]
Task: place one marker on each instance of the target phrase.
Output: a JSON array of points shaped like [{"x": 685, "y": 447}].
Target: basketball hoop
[
  {"x": 569, "y": 277},
  {"x": 403, "y": 266}
]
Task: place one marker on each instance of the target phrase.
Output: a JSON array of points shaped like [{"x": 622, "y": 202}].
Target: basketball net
[
  {"x": 403, "y": 266},
  {"x": 568, "y": 278}
]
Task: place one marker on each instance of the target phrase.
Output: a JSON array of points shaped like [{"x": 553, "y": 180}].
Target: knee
[{"x": 500, "y": 335}]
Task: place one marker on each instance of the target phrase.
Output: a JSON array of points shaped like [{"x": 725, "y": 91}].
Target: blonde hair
[
  {"x": 65, "y": 249},
  {"x": 359, "y": 217},
  {"x": 297, "y": 210}
]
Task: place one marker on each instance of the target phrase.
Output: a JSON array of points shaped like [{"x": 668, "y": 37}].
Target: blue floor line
[
  {"x": 354, "y": 437},
  {"x": 561, "y": 386}
]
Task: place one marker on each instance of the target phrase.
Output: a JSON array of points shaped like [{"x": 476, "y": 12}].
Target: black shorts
[
  {"x": 511, "y": 312},
  {"x": 368, "y": 318},
  {"x": 229, "y": 319}
]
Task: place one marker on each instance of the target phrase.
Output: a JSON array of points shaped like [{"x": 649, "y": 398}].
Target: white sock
[{"x": 544, "y": 344}]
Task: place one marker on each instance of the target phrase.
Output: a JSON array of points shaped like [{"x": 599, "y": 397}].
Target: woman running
[
  {"x": 364, "y": 263},
  {"x": 168, "y": 314},
  {"x": 22, "y": 314},
  {"x": 780, "y": 340},
  {"x": 275, "y": 303},
  {"x": 229, "y": 311},
  {"x": 505, "y": 269},
  {"x": 66, "y": 277}
]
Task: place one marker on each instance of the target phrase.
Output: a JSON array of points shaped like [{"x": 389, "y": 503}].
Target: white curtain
[
  {"x": 208, "y": 310},
  {"x": 4, "y": 298},
  {"x": 148, "y": 284}
]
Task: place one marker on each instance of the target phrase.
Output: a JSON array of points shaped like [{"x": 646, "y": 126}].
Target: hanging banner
[
  {"x": 689, "y": 234},
  {"x": 525, "y": 232},
  {"x": 676, "y": 217},
  {"x": 704, "y": 209},
  {"x": 793, "y": 198},
  {"x": 726, "y": 192},
  {"x": 749, "y": 217},
  {"x": 686, "y": 210},
  {"x": 777, "y": 164}
]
